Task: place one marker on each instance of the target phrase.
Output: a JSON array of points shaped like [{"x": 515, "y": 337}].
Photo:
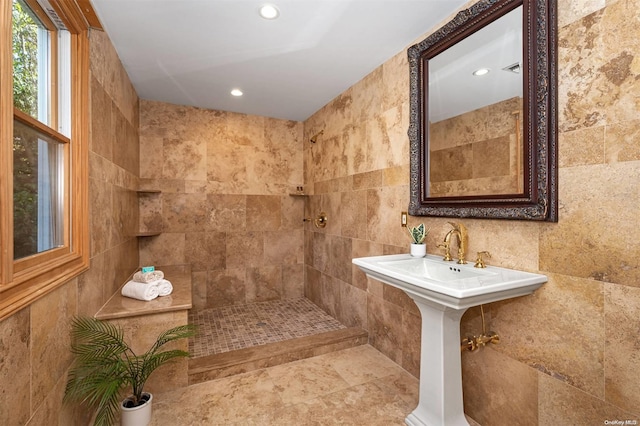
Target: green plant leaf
[
  {"x": 105, "y": 365},
  {"x": 418, "y": 233}
]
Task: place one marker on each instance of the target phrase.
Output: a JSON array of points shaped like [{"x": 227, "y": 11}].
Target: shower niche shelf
[{"x": 143, "y": 193}]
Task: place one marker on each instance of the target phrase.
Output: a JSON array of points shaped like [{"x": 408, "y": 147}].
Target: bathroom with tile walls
[
  {"x": 225, "y": 207},
  {"x": 568, "y": 353}
]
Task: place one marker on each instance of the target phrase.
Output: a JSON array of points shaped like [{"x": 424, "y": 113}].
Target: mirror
[{"x": 485, "y": 146}]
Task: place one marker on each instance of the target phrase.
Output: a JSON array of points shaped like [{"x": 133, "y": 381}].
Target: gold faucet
[
  {"x": 460, "y": 231},
  {"x": 446, "y": 245}
]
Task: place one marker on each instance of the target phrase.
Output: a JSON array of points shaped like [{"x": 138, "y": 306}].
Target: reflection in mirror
[
  {"x": 485, "y": 145},
  {"x": 475, "y": 111}
]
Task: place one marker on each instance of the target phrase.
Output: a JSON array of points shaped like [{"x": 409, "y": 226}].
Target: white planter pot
[
  {"x": 418, "y": 250},
  {"x": 136, "y": 416}
]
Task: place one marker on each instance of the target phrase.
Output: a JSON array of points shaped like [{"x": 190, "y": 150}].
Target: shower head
[{"x": 314, "y": 138}]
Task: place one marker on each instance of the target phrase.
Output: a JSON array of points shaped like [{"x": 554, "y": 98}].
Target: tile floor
[
  {"x": 236, "y": 327},
  {"x": 355, "y": 386}
]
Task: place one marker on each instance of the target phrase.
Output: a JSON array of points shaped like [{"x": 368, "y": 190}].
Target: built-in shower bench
[{"x": 143, "y": 321}]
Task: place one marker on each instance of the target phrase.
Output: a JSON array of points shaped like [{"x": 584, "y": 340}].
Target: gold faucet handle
[
  {"x": 480, "y": 261},
  {"x": 447, "y": 251}
]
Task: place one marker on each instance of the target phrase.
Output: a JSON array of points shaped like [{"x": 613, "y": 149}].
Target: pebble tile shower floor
[{"x": 237, "y": 327}]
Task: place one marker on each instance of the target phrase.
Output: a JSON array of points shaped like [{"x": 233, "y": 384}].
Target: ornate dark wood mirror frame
[{"x": 539, "y": 199}]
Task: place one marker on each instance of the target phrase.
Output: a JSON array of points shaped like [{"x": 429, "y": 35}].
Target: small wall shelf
[{"x": 148, "y": 234}]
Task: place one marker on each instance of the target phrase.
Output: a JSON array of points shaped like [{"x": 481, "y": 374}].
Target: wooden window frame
[{"x": 25, "y": 280}]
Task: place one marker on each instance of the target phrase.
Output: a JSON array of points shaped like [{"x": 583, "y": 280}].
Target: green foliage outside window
[
  {"x": 25, "y": 144},
  {"x": 25, "y": 60}
]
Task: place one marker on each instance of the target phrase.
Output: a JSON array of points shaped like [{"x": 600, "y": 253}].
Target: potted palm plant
[
  {"x": 105, "y": 366},
  {"x": 418, "y": 235}
]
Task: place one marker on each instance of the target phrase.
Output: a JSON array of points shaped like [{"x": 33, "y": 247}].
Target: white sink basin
[
  {"x": 443, "y": 291},
  {"x": 448, "y": 283}
]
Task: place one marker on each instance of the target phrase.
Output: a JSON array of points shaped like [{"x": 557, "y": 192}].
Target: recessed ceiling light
[
  {"x": 236, "y": 92},
  {"x": 269, "y": 11},
  {"x": 481, "y": 71}
]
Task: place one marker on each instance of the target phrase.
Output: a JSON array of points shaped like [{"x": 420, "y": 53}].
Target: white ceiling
[{"x": 193, "y": 52}]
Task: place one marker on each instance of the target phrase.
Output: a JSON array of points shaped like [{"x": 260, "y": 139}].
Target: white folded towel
[
  {"x": 147, "y": 277},
  {"x": 165, "y": 287},
  {"x": 140, "y": 291}
]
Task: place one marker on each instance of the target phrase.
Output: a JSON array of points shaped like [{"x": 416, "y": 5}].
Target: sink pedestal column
[{"x": 440, "y": 368}]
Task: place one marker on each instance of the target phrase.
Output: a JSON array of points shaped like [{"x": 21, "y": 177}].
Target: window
[{"x": 43, "y": 148}]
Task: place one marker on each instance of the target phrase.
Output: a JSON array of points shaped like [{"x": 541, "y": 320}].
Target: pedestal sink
[{"x": 443, "y": 291}]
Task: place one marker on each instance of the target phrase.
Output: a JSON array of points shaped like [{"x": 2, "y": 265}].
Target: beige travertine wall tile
[
  {"x": 52, "y": 410},
  {"x": 383, "y": 208},
  {"x": 245, "y": 249},
  {"x": 141, "y": 333},
  {"x": 319, "y": 252},
  {"x": 263, "y": 212},
  {"x": 353, "y": 214},
  {"x": 354, "y": 137},
  {"x": 283, "y": 247},
  {"x": 105, "y": 66},
  {"x": 621, "y": 142},
  {"x": 367, "y": 96},
  {"x": 206, "y": 250},
  {"x": 150, "y": 208},
  {"x": 619, "y": 74},
  {"x": 561, "y": 403},
  {"x": 101, "y": 140},
  {"x": 16, "y": 342},
  {"x": 395, "y": 80},
  {"x": 579, "y": 59},
  {"x": 571, "y": 11},
  {"x": 50, "y": 355},
  {"x": 184, "y": 212},
  {"x": 581, "y": 147},
  {"x": 312, "y": 286},
  {"x": 599, "y": 225},
  {"x": 264, "y": 283},
  {"x": 226, "y": 212},
  {"x": 532, "y": 331},
  {"x": 126, "y": 152},
  {"x": 362, "y": 248},
  {"x": 411, "y": 341},
  {"x": 91, "y": 286},
  {"x": 507, "y": 396},
  {"x": 225, "y": 287},
  {"x": 383, "y": 319},
  {"x": 184, "y": 159},
  {"x": 292, "y": 212},
  {"x": 399, "y": 298},
  {"x": 622, "y": 363},
  {"x": 395, "y": 175},
  {"x": 124, "y": 216},
  {"x": 353, "y": 306},
  {"x": 199, "y": 289},
  {"x": 293, "y": 281},
  {"x": 340, "y": 256},
  {"x": 164, "y": 249},
  {"x": 100, "y": 215},
  {"x": 367, "y": 180}
]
